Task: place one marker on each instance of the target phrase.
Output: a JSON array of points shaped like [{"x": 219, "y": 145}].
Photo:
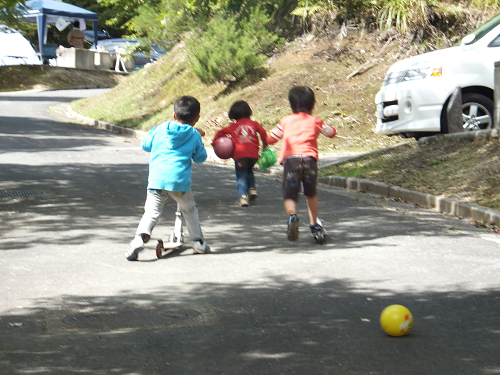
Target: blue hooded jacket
[{"x": 172, "y": 147}]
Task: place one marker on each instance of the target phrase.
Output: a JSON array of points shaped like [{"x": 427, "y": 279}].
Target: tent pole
[
  {"x": 40, "y": 22},
  {"x": 96, "y": 32}
]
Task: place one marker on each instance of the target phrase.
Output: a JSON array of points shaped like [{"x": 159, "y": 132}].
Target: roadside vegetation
[
  {"x": 228, "y": 50},
  {"x": 468, "y": 170}
]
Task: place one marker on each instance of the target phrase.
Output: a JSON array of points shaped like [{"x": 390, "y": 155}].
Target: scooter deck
[
  {"x": 319, "y": 238},
  {"x": 167, "y": 247}
]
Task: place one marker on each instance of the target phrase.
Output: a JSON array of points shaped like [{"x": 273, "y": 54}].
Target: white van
[
  {"x": 413, "y": 98},
  {"x": 15, "y": 48}
]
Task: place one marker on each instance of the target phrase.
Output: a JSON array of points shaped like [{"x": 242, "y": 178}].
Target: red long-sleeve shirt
[{"x": 244, "y": 135}]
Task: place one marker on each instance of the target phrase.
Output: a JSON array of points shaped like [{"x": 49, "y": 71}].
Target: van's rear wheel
[{"x": 477, "y": 112}]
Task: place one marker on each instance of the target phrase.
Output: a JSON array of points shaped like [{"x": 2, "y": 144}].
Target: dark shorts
[{"x": 299, "y": 171}]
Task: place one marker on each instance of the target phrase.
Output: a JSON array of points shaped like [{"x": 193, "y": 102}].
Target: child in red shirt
[
  {"x": 299, "y": 156},
  {"x": 243, "y": 132}
]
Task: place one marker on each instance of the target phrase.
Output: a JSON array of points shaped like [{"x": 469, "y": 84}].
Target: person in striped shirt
[{"x": 299, "y": 133}]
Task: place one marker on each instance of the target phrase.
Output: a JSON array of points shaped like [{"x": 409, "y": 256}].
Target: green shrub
[{"x": 229, "y": 49}]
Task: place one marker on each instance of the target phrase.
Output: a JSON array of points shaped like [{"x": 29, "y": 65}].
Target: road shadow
[
  {"x": 39, "y": 136},
  {"x": 85, "y": 196},
  {"x": 278, "y": 326}
]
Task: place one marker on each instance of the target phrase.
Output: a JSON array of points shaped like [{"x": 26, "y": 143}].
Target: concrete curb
[
  {"x": 486, "y": 133},
  {"x": 449, "y": 206},
  {"x": 446, "y": 205},
  {"x": 442, "y": 204},
  {"x": 132, "y": 133},
  {"x": 102, "y": 124}
]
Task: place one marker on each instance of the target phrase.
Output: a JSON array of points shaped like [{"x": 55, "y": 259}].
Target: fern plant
[{"x": 404, "y": 14}]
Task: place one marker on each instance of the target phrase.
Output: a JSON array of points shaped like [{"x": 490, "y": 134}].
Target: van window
[
  {"x": 484, "y": 29},
  {"x": 495, "y": 42}
]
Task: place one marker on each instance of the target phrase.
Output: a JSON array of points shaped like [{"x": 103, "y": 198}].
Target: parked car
[
  {"x": 416, "y": 91},
  {"x": 89, "y": 35},
  {"x": 129, "y": 45}
]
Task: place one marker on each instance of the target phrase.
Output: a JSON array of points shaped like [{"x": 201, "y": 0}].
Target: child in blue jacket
[{"x": 173, "y": 145}]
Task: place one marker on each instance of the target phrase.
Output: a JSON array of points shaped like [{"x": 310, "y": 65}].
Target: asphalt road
[{"x": 71, "y": 197}]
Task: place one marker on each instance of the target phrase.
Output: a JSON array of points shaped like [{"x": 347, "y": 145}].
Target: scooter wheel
[
  {"x": 159, "y": 249},
  {"x": 319, "y": 238}
]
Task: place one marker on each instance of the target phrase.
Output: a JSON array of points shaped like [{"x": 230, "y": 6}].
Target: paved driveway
[{"x": 259, "y": 304}]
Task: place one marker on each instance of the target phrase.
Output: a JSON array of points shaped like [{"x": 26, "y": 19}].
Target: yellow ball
[{"x": 396, "y": 320}]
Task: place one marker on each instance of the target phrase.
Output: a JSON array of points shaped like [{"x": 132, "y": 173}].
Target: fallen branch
[{"x": 366, "y": 64}]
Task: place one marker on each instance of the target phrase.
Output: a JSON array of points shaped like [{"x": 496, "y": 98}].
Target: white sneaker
[
  {"x": 134, "y": 248},
  {"x": 252, "y": 194},
  {"x": 244, "y": 201},
  {"x": 201, "y": 248}
]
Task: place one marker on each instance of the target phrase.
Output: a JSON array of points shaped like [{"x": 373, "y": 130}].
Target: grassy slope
[
  {"x": 146, "y": 97},
  {"x": 26, "y": 77},
  {"x": 465, "y": 170}
]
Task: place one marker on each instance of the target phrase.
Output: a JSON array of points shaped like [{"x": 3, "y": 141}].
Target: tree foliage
[
  {"x": 10, "y": 11},
  {"x": 277, "y": 10},
  {"x": 166, "y": 21},
  {"x": 119, "y": 13},
  {"x": 230, "y": 38}
]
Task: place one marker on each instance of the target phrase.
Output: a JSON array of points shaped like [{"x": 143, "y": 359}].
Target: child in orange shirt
[
  {"x": 299, "y": 156},
  {"x": 243, "y": 132}
]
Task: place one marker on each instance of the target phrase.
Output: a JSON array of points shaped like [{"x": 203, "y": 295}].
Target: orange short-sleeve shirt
[{"x": 300, "y": 135}]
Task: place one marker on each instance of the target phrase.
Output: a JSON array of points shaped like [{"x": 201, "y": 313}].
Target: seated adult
[{"x": 76, "y": 37}]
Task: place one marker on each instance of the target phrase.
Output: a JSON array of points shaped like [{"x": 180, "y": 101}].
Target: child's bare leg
[
  {"x": 312, "y": 208},
  {"x": 292, "y": 231},
  {"x": 290, "y": 206}
]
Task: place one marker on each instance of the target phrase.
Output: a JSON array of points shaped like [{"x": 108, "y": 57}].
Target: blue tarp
[{"x": 48, "y": 12}]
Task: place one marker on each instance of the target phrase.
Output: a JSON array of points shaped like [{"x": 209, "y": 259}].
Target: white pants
[{"x": 155, "y": 203}]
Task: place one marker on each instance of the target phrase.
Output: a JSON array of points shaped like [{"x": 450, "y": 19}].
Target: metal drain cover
[
  {"x": 20, "y": 193},
  {"x": 117, "y": 320},
  {"x": 130, "y": 318}
]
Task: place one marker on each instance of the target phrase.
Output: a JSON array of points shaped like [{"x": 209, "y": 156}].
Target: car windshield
[
  {"x": 484, "y": 29},
  {"x": 111, "y": 45},
  {"x": 118, "y": 44}
]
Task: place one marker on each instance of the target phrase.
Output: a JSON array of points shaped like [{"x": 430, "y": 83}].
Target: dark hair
[
  {"x": 240, "y": 109},
  {"x": 186, "y": 108},
  {"x": 301, "y": 99},
  {"x": 76, "y": 24}
]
